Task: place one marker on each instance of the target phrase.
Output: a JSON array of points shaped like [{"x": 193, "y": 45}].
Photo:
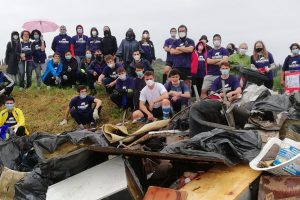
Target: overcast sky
[{"x": 276, "y": 22}]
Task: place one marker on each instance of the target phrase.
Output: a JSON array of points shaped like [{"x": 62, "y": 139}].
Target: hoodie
[
  {"x": 12, "y": 54},
  {"x": 39, "y": 56},
  {"x": 61, "y": 44},
  {"x": 94, "y": 42},
  {"x": 109, "y": 44},
  {"x": 80, "y": 42},
  {"x": 199, "y": 61}
]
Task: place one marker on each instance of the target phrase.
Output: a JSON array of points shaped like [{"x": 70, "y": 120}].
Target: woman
[
  {"x": 84, "y": 66},
  {"x": 231, "y": 48},
  {"x": 52, "y": 72},
  {"x": 147, "y": 46},
  {"x": 12, "y": 55},
  {"x": 292, "y": 62},
  {"x": 263, "y": 61}
]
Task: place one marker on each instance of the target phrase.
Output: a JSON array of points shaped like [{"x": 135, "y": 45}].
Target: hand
[
  {"x": 57, "y": 80},
  {"x": 2, "y": 91},
  {"x": 151, "y": 104},
  {"x": 267, "y": 69},
  {"x": 65, "y": 77},
  {"x": 42, "y": 38},
  {"x": 253, "y": 67},
  {"x": 22, "y": 56},
  {"x": 174, "y": 98},
  {"x": 95, "y": 73},
  {"x": 110, "y": 85},
  {"x": 150, "y": 117},
  {"x": 69, "y": 69},
  {"x": 129, "y": 90},
  {"x": 63, "y": 122},
  {"x": 95, "y": 114}
]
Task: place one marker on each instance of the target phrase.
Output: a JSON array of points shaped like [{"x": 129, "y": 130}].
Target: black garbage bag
[
  {"x": 33, "y": 186},
  {"x": 275, "y": 103},
  {"x": 231, "y": 146}
]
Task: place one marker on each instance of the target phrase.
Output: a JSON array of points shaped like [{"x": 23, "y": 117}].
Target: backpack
[{"x": 169, "y": 86}]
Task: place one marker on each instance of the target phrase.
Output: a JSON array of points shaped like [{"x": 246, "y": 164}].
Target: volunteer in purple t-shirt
[
  {"x": 215, "y": 58},
  {"x": 292, "y": 62},
  {"x": 263, "y": 61},
  {"x": 81, "y": 109},
  {"x": 232, "y": 85},
  {"x": 167, "y": 48},
  {"x": 182, "y": 49}
]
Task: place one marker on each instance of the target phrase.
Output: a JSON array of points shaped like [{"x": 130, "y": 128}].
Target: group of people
[{"x": 127, "y": 74}]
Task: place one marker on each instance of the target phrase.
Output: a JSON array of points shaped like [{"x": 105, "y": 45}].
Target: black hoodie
[
  {"x": 12, "y": 54},
  {"x": 109, "y": 44}
]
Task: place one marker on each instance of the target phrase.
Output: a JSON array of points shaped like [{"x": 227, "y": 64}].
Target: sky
[{"x": 275, "y": 22}]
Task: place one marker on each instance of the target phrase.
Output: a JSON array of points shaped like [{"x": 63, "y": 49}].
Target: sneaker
[
  {"x": 48, "y": 87},
  {"x": 73, "y": 86},
  {"x": 21, "y": 89}
]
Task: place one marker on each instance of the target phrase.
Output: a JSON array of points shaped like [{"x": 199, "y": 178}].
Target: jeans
[
  {"x": 29, "y": 67},
  {"x": 38, "y": 72}
]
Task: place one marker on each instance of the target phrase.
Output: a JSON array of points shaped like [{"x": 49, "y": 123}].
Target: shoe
[
  {"x": 21, "y": 89},
  {"x": 48, "y": 87}
]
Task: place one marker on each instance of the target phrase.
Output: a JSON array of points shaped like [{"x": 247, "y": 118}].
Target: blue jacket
[
  {"x": 51, "y": 69},
  {"x": 61, "y": 44},
  {"x": 80, "y": 43},
  {"x": 39, "y": 56}
]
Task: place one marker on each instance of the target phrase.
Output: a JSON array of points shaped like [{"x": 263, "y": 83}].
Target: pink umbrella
[{"x": 41, "y": 25}]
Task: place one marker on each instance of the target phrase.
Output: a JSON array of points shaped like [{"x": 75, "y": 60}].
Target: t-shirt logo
[
  {"x": 63, "y": 41},
  {"x": 37, "y": 47},
  {"x": 114, "y": 75},
  {"x": 217, "y": 56},
  {"x": 262, "y": 60},
  {"x": 83, "y": 106},
  {"x": 26, "y": 48},
  {"x": 201, "y": 58},
  {"x": 294, "y": 65},
  {"x": 81, "y": 41}
]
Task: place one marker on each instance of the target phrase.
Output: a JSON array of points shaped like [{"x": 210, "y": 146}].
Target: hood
[
  {"x": 32, "y": 33},
  {"x": 203, "y": 44},
  {"x": 130, "y": 30},
  {"x": 109, "y": 32},
  {"x": 14, "y": 33},
  {"x": 79, "y": 26},
  {"x": 94, "y": 29}
]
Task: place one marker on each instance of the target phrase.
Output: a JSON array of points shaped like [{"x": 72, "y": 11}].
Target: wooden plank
[
  {"x": 221, "y": 182},
  {"x": 158, "y": 193}
]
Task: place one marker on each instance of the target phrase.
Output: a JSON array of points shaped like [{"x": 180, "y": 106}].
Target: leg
[
  {"x": 166, "y": 71},
  {"x": 76, "y": 116},
  {"x": 29, "y": 69},
  {"x": 20, "y": 131},
  {"x": 90, "y": 81},
  {"x": 21, "y": 73},
  {"x": 117, "y": 99},
  {"x": 49, "y": 81},
  {"x": 166, "y": 108},
  {"x": 136, "y": 115},
  {"x": 38, "y": 71}
]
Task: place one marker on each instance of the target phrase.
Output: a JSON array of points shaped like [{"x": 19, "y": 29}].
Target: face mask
[
  {"x": 139, "y": 74},
  {"x": 137, "y": 57},
  {"x": 36, "y": 37},
  {"x": 94, "y": 33},
  {"x": 225, "y": 71},
  {"x": 122, "y": 77},
  {"x": 295, "y": 51},
  {"x": 99, "y": 58},
  {"x": 230, "y": 51},
  {"x": 182, "y": 34},
  {"x": 15, "y": 37},
  {"x": 82, "y": 96},
  {"x": 145, "y": 35},
  {"x": 9, "y": 106},
  {"x": 63, "y": 31},
  {"x": 55, "y": 60},
  {"x": 173, "y": 34},
  {"x": 217, "y": 43},
  {"x": 130, "y": 35},
  {"x": 106, "y": 32},
  {"x": 79, "y": 31},
  {"x": 88, "y": 56},
  {"x": 68, "y": 57},
  {"x": 258, "y": 49},
  {"x": 243, "y": 51},
  {"x": 150, "y": 83},
  {"x": 111, "y": 65}
]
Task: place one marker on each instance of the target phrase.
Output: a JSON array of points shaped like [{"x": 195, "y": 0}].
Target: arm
[
  {"x": 163, "y": 96},
  {"x": 167, "y": 49},
  {"x": 100, "y": 79},
  {"x": 11, "y": 82},
  {"x": 53, "y": 46},
  {"x": 8, "y": 49},
  {"x": 98, "y": 103},
  {"x": 211, "y": 61},
  {"x": 119, "y": 52},
  {"x": 21, "y": 121},
  {"x": 153, "y": 51},
  {"x": 189, "y": 49},
  {"x": 67, "y": 113},
  {"x": 143, "y": 108},
  {"x": 115, "y": 46},
  {"x": 175, "y": 51}
]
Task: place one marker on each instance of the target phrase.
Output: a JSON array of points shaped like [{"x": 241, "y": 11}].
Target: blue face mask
[
  {"x": 225, "y": 71},
  {"x": 9, "y": 106},
  {"x": 88, "y": 56},
  {"x": 139, "y": 74},
  {"x": 68, "y": 57},
  {"x": 36, "y": 37}
]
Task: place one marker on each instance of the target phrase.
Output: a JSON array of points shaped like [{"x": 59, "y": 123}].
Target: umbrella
[{"x": 41, "y": 25}]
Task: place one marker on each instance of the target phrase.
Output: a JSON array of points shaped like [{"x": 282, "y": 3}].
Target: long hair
[{"x": 264, "y": 51}]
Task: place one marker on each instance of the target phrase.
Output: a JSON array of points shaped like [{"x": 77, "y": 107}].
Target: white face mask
[
  {"x": 137, "y": 57},
  {"x": 15, "y": 37},
  {"x": 122, "y": 77},
  {"x": 80, "y": 31},
  {"x": 182, "y": 34},
  {"x": 112, "y": 65},
  {"x": 173, "y": 34},
  {"x": 243, "y": 51},
  {"x": 150, "y": 83},
  {"x": 94, "y": 33},
  {"x": 217, "y": 43},
  {"x": 145, "y": 35}
]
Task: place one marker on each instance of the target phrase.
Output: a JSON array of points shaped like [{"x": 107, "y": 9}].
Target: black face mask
[
  {"x": 129, "y": 35},
  {"x": 230, "y": 51},
  {"x": 99, "y": 58},
  {"x": 106, "y": 32},
  {"x": 258, "y": 50}
]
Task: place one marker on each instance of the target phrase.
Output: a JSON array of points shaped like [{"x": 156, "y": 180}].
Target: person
[
  {"x": 94, "y": 42},
  {"x": 109, "y": 75},
  {"x": 6, "y": 85},
  {"x": 13, "y": 118},
  {"x": 79, "y": 43},
  {"x": 139, "y": 84},
  {"x": 263, "y": 61},
  {"x": 69, "y": 71},
  {"x": 182, "y": 49},
  {"x": 109, "y": 43},
  {"x": 178, "y": 91},
  {"x": 38, "y": 47},
  {"x": 126, "y": 48},
  {"x": 95, "y": 70},
  {"x": 231, "y": 48},
  {"x": 62, "y": 42},
  {"x": 81, "y": 109},
  {"x": 239, "y": 59},
  {"x": 51, "y": 77},
  {"x": 138, "y": 59},
  {"x": 12, "y": 53},
  {"x": 233, "y": 88},
  {"x": 204, "y": 39},
  {"x": 148, "y": 47},
  {"x": 167, "y": 47},
  {"x": 82, "y": 73},
  {"x": 123, "y": 93},
  {"x": 26, "y": 61},
  {"x": 156, "y": 95},
  {"x": 291, "y": 62},
  {"x": 215, "y": 58},
  {"x": 199, "y": 69}
]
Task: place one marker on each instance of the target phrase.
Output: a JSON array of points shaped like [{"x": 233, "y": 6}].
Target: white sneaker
[
  {"x": 21, "y": 89},
  {"x": 48, "y": 87}
]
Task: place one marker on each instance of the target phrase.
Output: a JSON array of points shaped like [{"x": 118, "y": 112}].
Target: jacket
[
  {"x": 61, "y": 44},
  {"x": 12, "y": 54},
  {"x": 148, "y": 48},
  {"x": 94, "y": 42},
  {"x": 18, "y": 115},
  {"x": 39, "y": 56},
  {"x": 109, "y": 44},
  {"x": 50, "y": 69}
]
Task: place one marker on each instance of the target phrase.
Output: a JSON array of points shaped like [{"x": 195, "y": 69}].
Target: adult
[
  {"x": 79, "y": 43},
  {"x": 82, "y": 73},
  {"x": 147, "y": 46},
  {"x": 69, "y": 71},
  {"x": 215, "y": 58},
  {"x": 13, "y": 118},
  {"x": 62, "y": 42},
  {"x": 239, "y": 59},
  {"x": 127, "y": 47},
  {"x": 167, "y": 47},
  {"x": 138, "y": 59},
  {"x": 156, "y": 95},
  {"x": 94, "y": 42},
  {"x": 12, "y": 55},
  {"x": 38, "y": 47},
  {"x": 81, "y": 109},
  {"x": 139, "y": 84},
  {"x": 182, "y": 49},
  {"x": 204, "y": 39},
  {"x": 26, "y": 61},
  {"x": 51, "y": 77},
  {"x": 263, "y": 61},
  {"x": 291, "y": 62},
  {"x": 109, "y": 43},
  {"x": 231, "y": 48}
]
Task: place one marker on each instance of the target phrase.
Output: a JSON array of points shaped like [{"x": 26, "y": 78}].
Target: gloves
[
  {"x": 57, "y": 80},
  {"x": 69, "y": 69},
  {"x": 95, "y": 114},
  {"x": 253, "y": 67},
  {"x": 82, "y": 71},
  {"x": 63, "y": 122},
  {"x": 129, "y": 90},
  {"x": 2, "y": 91},
  {"x": 65, "y": 77}
]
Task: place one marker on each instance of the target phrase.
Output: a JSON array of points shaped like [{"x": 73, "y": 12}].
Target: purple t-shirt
[
  {"x": 111, "y": 72},
  {"x": 182, "y": 60},
  {"x": 168, "y": 43},
  {"x": 291, "y": 63},
  {"x": 263, "y": 62},
  {"x": 232, "y": 82},
  {"x": 127, "y": 84},
  {"x": 216, "y": 54},
  {"x": 82, "y": 105}
]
